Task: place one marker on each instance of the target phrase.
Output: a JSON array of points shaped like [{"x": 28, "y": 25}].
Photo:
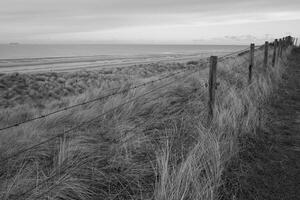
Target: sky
[{"x": 147, "y": 21}]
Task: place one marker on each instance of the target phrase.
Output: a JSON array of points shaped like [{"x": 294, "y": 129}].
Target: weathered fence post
[
  {"x": 251, "y": 64},
  {"x": 296, "y": 42},
  {"x": 293, "y": 41},
  {"x": 278, "y": 51},
  {"x": 212, "y": 85},
  {"x": 266, "y": 55},
  {"x": 287, "y": 42},
  {"x": 280, "y": 47},
  {"x": 274, "y": 53}
]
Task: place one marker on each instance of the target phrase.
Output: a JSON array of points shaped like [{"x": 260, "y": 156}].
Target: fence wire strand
[
  {"x": 93, "y": 119},
  {"x": 98, "y": 116},
  {"x": 69, "y": 169},
  {"x": 91, "y": 101},
  {"x": 204, "y": 60}
]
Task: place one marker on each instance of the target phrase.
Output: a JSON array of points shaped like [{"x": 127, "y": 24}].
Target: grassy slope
[
  {"x": 36, "y": 89},
  {"x": 158, "y": 146},
  {"x": 268, "y": 166}
]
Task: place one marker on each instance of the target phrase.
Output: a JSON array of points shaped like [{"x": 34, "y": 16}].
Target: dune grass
[
  {"x": 159, "y": 146},
  {"x": 38, "y": 89}
]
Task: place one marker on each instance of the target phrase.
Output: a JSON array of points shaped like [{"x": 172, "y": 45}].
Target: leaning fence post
[
  {"x": 251, "y": 64},
  {"x": 274, "y": 53},
  {"x": 212, "y": 85},
  {"x": 266, "y": 55}
]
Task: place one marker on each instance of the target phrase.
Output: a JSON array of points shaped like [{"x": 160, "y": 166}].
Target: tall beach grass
[{"x": 159, "y": 146}]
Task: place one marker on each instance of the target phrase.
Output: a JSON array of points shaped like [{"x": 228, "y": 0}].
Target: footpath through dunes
[{"x": 270, "y": 162}]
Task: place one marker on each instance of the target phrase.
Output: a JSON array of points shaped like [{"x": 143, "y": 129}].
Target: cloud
[{"x": 44, "y": 20}]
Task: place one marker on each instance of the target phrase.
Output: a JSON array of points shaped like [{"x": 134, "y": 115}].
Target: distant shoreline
[
  {"x": 34, "y": 59},
  {"x": 37, "y": 51},
  {"x": 87, "y": 63}
]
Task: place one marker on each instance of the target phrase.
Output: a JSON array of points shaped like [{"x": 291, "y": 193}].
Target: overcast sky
[{"x": 148, "y": 21}]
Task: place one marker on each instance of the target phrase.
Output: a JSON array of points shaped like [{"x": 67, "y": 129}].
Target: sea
[
  {"x": 65, "y": 58},
  {"x": 21, "y": 51}
]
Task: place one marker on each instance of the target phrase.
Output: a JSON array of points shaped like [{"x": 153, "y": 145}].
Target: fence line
[
  {"x": 59, "y": 172},
  {"x": 111, "y": 94},
  {"x": 288, "y": 41},
  {"x": 93, "y": 119},
  {"x": 277, "y": 54},
  {"x": 72, "y": 167},
  {"x": 211, "y": 104},
  {"x": 90, "y": 121},
  {"x": 91, "y": 101}
]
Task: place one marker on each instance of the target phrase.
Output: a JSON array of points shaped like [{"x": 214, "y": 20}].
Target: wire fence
[
  {"x": 115, "y": 91},
  {"x": 70, "y": 169},
  {"x": 241, "y": 60}
]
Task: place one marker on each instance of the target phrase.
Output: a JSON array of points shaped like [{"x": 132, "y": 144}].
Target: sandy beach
[{"x": 64, "y": 64}]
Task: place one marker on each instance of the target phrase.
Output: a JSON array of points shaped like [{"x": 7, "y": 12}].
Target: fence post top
[{"x": 213, "y": 58}]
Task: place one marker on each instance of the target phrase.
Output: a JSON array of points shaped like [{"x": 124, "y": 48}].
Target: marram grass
[{"x": 157, "y": 147}]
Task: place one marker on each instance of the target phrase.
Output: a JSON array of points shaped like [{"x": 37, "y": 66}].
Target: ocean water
[{"x": 48, "y": 51}]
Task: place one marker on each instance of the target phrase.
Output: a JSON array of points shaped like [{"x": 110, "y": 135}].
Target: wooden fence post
[
  {"x": 274, "y": 53},
  {"x": 61, "y": 151},
  {"x": 278, "y": 51},
  {"x": 296, "y": 42},
  {"x": 266, "y": 55},
  {"x": 292, "y": 41},
  {"x": 212, "y": 85},
  {"x": 251, "y": 64},
  {"x": 280, "y": 48},
  {"x": 287, "y": 41}
]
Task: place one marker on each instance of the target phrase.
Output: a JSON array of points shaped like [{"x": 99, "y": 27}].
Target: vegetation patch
[{"x": 157, "y": 146}]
